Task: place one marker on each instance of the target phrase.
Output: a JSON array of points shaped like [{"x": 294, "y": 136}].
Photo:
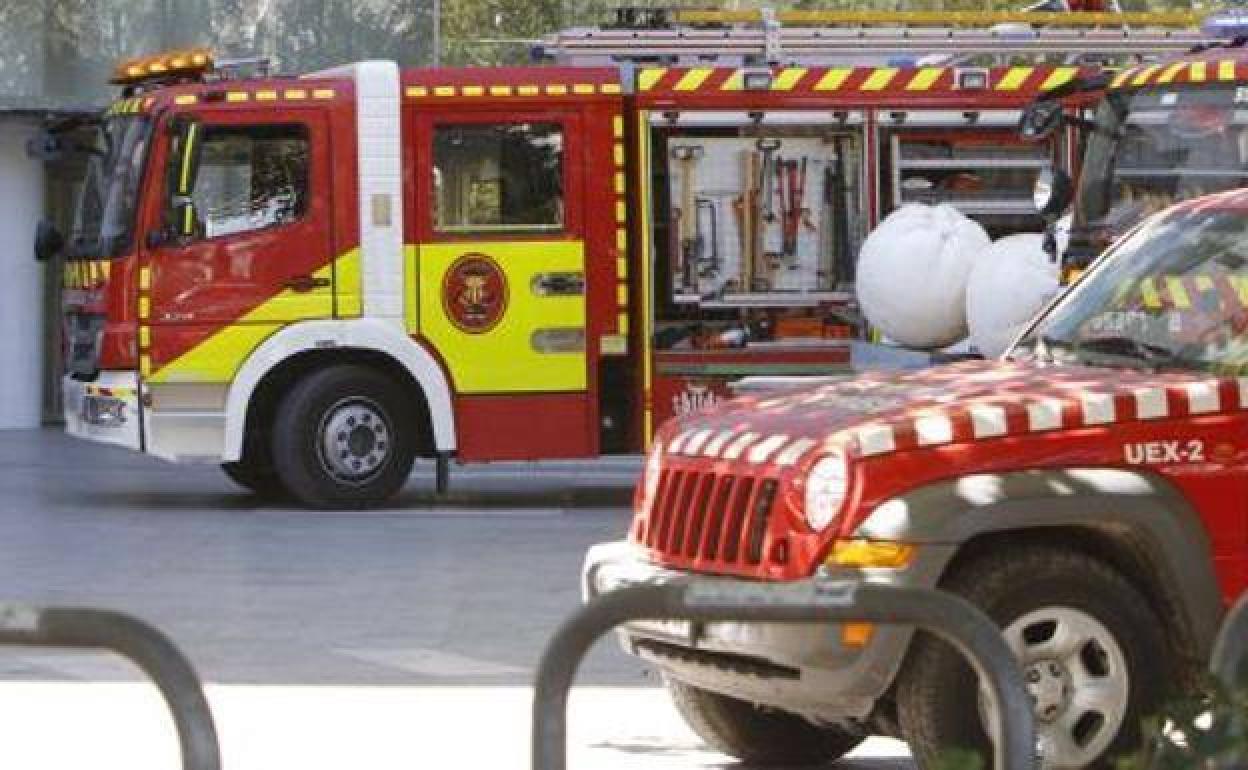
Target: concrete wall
[{"x": 21, "y": 279}]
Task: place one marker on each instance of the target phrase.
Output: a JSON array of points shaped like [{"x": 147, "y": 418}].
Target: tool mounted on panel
[{"x": 690, "y": 246}]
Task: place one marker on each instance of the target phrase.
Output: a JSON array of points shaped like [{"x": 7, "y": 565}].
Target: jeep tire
[
  {"x": 344, "y": 438},
  {"x": 1093, "y": 655},
  {"x": 756, "y": 734}
]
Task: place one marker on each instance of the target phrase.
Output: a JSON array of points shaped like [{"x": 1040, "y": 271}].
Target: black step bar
[
  {"x": 149, "y": 649},
  {"x": 953, "y": 619}
]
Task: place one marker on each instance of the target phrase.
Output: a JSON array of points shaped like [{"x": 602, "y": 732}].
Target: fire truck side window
[
  {"x": 498, "y": 178},
  {"x": 250, "y": 178}
]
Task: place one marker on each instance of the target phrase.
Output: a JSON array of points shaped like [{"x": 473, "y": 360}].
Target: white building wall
[{"x": 21, "y": 279}]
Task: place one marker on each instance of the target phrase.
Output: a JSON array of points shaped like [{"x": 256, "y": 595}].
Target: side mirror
[
  {"x": 1040, "y": 119},
  {"x": 48, "y": 241},
  {"x": 45, "y": 146},
  {"x": 1052, "y": 193}
]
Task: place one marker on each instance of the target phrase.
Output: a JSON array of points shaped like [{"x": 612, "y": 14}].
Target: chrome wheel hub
[
  {"x": 1076, "y": 674},
  {"x": 355, "y": 440}
]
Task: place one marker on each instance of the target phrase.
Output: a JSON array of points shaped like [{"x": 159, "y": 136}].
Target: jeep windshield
[
  {"x": 1171, "y": 295},
  {"x": 1155, "y": 147},
  {"x": 104, "y": 221}
]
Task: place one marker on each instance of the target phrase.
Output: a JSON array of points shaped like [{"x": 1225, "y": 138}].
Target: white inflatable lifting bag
[
  {"x": 912, "y": 274},
  {"x": 1011, "y": 281}
]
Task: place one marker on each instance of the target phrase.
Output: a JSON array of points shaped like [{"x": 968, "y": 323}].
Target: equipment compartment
[{"x": 987, "y": 175}]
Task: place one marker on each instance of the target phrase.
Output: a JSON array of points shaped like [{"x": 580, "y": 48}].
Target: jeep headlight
[{"x": 827, "y": 484}]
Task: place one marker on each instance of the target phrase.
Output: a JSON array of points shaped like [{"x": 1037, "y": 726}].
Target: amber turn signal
[{"x": 871, "y": 553}]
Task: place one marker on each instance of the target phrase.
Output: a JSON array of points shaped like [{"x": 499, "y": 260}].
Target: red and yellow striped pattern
[
  {"x": 815, "y": 81},
  {"x": 1199, "y": 71}
]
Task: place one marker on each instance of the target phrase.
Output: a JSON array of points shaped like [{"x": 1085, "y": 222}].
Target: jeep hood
[{"x": 881, "y": 413}]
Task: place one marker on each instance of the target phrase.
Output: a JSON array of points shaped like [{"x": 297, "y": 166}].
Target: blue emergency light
[{"x": 1228, "y": 23}]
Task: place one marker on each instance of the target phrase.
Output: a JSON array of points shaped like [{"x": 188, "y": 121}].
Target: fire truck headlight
[
  {"x": 650, "y": 476},
  {"x": 827, "y": 485}
]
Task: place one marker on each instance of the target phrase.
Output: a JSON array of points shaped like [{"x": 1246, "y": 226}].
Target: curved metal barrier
[
  {"x": 142, "y": 644},
  {"x": 956, "y": 621},
  {"x": 1231, "y": 648}
]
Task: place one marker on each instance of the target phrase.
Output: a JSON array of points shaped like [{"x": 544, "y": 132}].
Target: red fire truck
[
  {"x": 1161, "y": 132},
  {"x": 1087, "y": 491},
  {"x": 313, "y": 280}
]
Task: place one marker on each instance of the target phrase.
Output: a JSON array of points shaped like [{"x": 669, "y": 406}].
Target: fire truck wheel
[
  {"x": 758, "y": 735},
  {"x": 263, "y": 482},
  {"x": 1093, "y": 656},
  {"x": 343, "y": 438}
]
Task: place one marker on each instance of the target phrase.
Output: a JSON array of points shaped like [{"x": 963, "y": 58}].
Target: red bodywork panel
[{"x": 909, "y": 430}]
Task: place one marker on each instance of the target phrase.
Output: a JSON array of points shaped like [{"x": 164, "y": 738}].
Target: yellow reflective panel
[
  {"x": 348, "y": 300},
  {"x": 503, "y": 359}
]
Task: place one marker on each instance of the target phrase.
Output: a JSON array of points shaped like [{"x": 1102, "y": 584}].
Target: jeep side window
[
  {"x": 250, "y": 178},
  {"x": 498, "y": 178}
]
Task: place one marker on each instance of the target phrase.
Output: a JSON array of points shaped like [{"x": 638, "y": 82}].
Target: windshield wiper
[{"x": 1153, "y": 355}]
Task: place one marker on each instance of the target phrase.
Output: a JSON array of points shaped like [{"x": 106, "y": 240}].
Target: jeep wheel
[
  {"x": 755, "y": 734},
  {"x": 1093, "y": 657},
  {"x": 343, "y": 437}
]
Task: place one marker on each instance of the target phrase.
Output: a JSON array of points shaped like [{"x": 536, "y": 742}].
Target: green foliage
[{"x": 1208, "y": 732}]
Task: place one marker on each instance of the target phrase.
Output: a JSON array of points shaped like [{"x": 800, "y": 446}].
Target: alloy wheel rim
[{"x": 1076, "y": 674}]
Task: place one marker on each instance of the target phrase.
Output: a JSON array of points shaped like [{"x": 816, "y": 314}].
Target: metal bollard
[
  {"x": 953, "y": 619},
  {"x": 145, "y": 646},
  {"x": 1230, "y": 650}
]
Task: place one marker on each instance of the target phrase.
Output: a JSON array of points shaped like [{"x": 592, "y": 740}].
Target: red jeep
[{"x": 1087, "y": 490}]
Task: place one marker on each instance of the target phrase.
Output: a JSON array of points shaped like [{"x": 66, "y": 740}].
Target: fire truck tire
[
  {"x": 344, "y": 438},
  {"x": 758, "y": 735},
  {"x": 1092, "y": 650},
  {"x": 263, "y": 482}
]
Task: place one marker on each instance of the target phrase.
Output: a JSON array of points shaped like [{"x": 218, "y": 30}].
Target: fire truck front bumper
[
  {"x": 812, "y": 669},
  {"x": 106, "y": 410}
]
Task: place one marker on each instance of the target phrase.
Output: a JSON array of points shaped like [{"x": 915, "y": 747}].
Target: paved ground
[{"x": 381, "y": 636}]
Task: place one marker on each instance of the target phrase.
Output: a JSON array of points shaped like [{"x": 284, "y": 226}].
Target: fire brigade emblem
[{"x": 474, "y": 293}]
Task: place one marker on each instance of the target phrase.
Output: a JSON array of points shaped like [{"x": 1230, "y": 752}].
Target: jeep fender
[{"x": 1140, "y": 510}]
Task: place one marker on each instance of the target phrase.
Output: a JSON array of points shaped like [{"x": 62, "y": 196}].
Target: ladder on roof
[{"x": 766, "y": 37}]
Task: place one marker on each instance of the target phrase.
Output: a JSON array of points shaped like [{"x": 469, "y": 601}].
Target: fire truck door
[
  {"x": 501, "y": 278},
  {"x": 246, "y": 242}
]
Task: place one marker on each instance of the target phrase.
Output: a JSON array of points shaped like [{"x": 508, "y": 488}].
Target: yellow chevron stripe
[
  {"x": 1121, "y": 78},
  {"x": 693, "y": 79},
  {"x": 924, "y": 79},
  {"x": 1170, "y": 73},
  {"x": 1198, "y": 72},
  {"x": 1178, "y": 292},
  {"x": 1015, "y": 78},
  {"x": 833, "y": 79},
  {"x": 880, "y": 79},
  {"x": 735, "y": 81},
  {"x": 787, "y": 79},
  {"x": 1148, "y": 292},
  {"x": 1059, "y": 77},
  {"x": 1145, "y": 75},
  {"x": 1226, "y": 69},
  {"x": 646, "y": 79}
]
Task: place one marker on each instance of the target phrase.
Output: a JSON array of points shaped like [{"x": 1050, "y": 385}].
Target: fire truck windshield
[
  {"x": 1166, "y": 296},
  {"x": 1154, "y": 147},
  {"x": 104, "y": 222}
]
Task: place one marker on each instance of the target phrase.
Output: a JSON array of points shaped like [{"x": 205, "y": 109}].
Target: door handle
[
  {"x": 568, "y": 284},
  {"x": 303, "y": 283}
]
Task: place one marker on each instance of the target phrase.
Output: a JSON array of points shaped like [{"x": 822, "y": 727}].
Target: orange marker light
[
  {"x": 871, "y": 553},
  {"x": 188, "y": 62}
]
